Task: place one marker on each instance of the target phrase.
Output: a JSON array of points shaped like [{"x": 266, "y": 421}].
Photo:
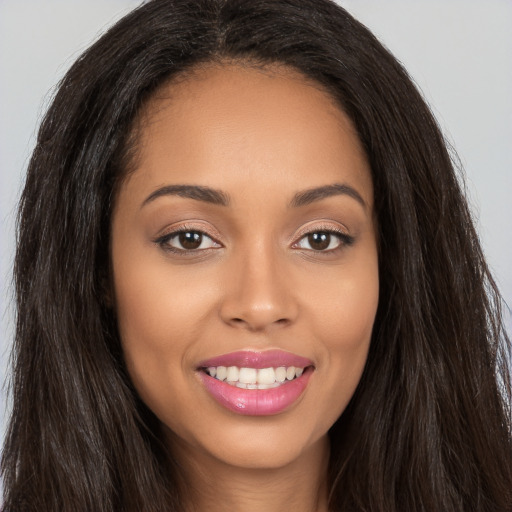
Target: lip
[
  {"x": 257, "y": 402},
  {"x": 258, "y": 360}
]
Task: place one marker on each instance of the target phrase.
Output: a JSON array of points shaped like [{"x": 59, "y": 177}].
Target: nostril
[{"x": 254, "y": 325}]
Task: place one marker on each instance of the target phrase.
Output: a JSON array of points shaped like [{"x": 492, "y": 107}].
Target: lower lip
[{"x": 257, "y": 402}]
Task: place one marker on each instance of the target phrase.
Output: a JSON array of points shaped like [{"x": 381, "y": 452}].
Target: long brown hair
[{"x": 428, "y": 428}]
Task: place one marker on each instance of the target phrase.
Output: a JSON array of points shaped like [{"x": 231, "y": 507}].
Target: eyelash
[
  {"x": 163, "y": 241},
  {"x": 345, "y": 240}
]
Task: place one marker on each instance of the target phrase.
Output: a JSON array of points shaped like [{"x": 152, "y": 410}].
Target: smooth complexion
[{"x": 262, "y": 263}]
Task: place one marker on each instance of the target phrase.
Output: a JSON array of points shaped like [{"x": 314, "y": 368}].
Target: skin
[{"x": 260, "y": 136}]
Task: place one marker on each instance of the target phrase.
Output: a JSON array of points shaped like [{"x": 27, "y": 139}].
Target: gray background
[{"x": 459, "y": 52}]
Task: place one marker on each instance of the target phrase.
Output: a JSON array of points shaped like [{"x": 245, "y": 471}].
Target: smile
[
  {"x": 254, "y": 378},
  {"x": 256, "y": 383}
]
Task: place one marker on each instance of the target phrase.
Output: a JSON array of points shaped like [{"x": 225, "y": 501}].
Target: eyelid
[
  {"x": 190, "y": 225},
  {"x": 332, "y": 227},
  {"x": 312, "y": 227},
  {"x": 323, "y": 226},
  {"x": 175, "y": 229}
]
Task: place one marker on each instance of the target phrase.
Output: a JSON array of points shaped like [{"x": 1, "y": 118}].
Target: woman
[{"x": 247, "y": 278}]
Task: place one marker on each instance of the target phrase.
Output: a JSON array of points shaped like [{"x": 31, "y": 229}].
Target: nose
[{"x": 259, "y": 294}]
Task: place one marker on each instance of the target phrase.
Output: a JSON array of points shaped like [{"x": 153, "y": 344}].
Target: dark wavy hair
[{"x": 428, "y": 428}]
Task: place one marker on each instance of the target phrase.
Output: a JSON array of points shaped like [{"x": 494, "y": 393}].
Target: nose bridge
[{"x": 258, "y": 295}]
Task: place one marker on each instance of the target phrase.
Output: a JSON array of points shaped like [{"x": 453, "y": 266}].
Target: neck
[{"x": 215, "y": 486}]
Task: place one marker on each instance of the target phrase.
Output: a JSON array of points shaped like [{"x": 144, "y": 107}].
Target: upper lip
[{"x": 255, "y": 359}]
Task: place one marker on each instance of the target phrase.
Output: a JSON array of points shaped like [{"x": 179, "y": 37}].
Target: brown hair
[{"x": 428, "y": 428}]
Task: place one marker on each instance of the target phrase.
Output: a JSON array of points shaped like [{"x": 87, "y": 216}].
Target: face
[{"x": 245, "y": 238}]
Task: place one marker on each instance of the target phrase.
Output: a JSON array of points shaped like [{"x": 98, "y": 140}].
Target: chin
[{"x": 264, "y": 445}]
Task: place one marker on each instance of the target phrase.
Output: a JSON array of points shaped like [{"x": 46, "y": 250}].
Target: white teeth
[
  {"x": 232, "y": 374},
  {"x": 268, "y": 386},
  {"x": 222, "y": 372},
  {"x": 266, "y": 376},
  {"x": 254, "y": 386},
  {"x": 253, "y": 378},
  {"x": 248, "y": 375},
  {"x": 281, "y": 374}
]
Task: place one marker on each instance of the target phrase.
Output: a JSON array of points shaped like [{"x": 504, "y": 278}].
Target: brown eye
[
  {"x": 319, "y": 241},
  {"x": 190, "y": 240},
  {"x": 324, "y": 241},
  {"x": 186, "y": 241}
]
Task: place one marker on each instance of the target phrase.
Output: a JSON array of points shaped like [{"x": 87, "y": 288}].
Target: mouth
[
  {"x": 254, "y": 378},
  {"x": 256, "y": 383}
]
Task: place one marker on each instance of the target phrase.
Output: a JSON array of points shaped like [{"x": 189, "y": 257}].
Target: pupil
[
  {"x": 320, "y": 240},
  {"x": 190, "y": 239}
]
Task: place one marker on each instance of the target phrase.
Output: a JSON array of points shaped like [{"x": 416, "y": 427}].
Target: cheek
[
  {"x": 162, "y": 311},
  {"x": 344, "y": 321},
  {"x": 157, "y": 307},
  {"x": 353, "y": 324},
  {"x": 346, "y": 304},
  {"x": 155, "y": 320},
  {"x": 352, "y": 314}
]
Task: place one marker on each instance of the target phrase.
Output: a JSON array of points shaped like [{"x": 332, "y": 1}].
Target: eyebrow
[
  {"x": 197, "y": 192},
  {"x": 316, "y": 194},
  {"x": 218, "y": 197}
]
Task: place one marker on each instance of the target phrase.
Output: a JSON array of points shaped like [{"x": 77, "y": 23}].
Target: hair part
[{"x": 428, "y": 427}]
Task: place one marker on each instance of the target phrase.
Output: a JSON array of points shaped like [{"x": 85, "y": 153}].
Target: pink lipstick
[{"x": 256, "y": 383}]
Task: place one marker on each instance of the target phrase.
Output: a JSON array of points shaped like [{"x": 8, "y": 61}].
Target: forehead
[{"x": 246, "y": 126}]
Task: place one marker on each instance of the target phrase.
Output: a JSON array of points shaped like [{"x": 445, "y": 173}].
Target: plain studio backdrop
[{"x": 459, "y": 52}]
